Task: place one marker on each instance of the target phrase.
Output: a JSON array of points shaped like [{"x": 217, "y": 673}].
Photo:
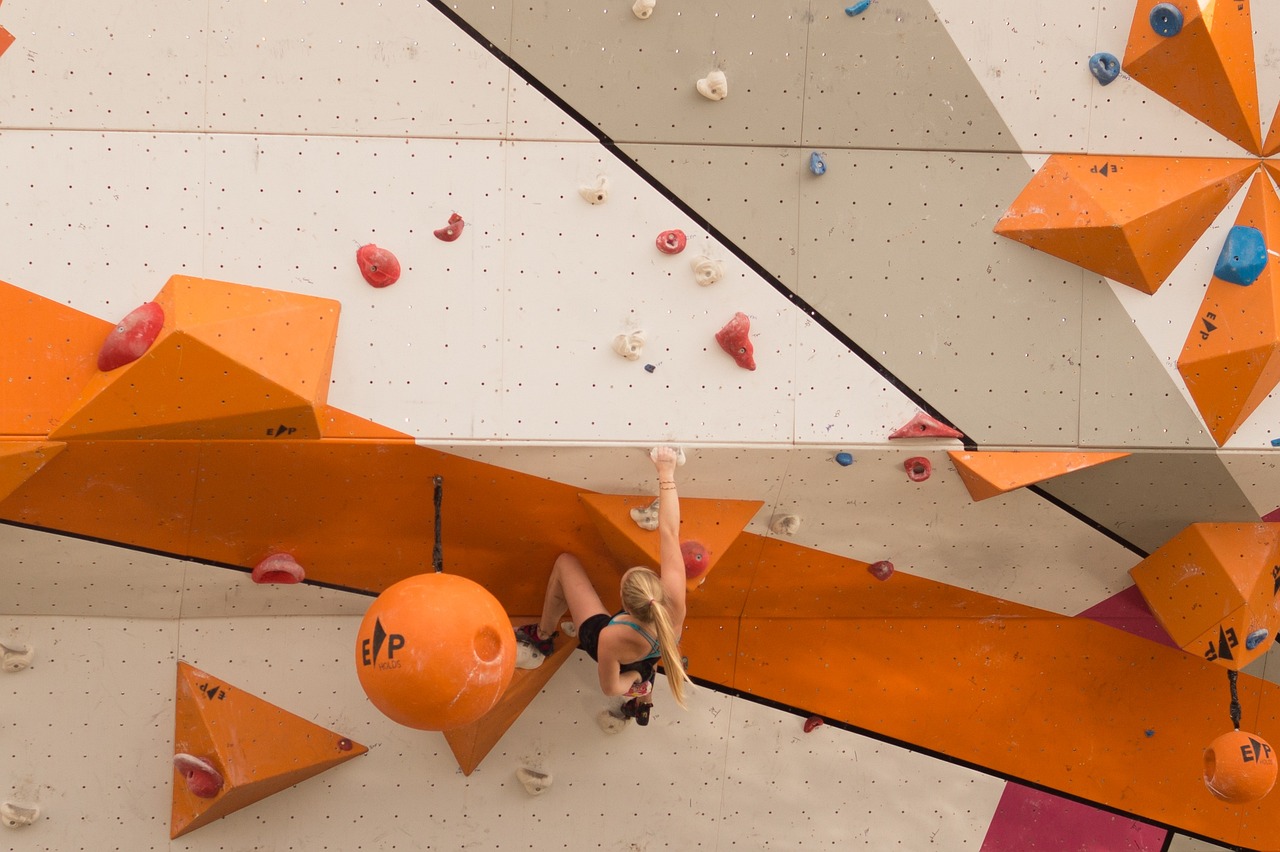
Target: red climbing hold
[
  {"x": 129, "y": 340},
  {"x": 813, "y": 722},
  {"x": 924, "y": 426},
  {"x": 735, "y": 339},
  {"x": 696, "y": 559},
  {"x": 378, "y": 266},
  {"x": 202, "y": 779},
  {"x": 452, "y": 231},
  {"x": 881, "y": 570},
  {"x": 671, "y": 242},
  {"x": 918, "y": 468},
  {"x": 278, "y": 568}
]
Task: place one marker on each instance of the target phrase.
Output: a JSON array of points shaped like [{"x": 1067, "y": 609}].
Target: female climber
[{"x": 628, "y": 644}]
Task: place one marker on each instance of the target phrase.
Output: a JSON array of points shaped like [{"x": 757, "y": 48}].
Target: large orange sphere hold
[
  {"x": 435, "y": 652},
  {"x": 1239, "y": 767}
]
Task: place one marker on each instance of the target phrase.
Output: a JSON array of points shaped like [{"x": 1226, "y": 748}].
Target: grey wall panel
[
  {"x": 1148, "y": 497},
  {"x": 896, "y": 249},
  {"x": 1127, "y": 397},
  {"x": 491, "y": 18},
  {"x": 893, "y": 78}
]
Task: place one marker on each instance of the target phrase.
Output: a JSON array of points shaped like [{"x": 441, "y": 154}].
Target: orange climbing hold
[
  {"x": 1131, "y": 219},
  {"x": 1207, "y": 69},
  {"x": 435, "y": 652},
  {"x": 1213, "y": 587},
  {"x": 987, "y": 474},
  {"x": 1229, "y": 360},
  {"x": 232, "y": 749},
  {"x": 1239, "y": 767}
]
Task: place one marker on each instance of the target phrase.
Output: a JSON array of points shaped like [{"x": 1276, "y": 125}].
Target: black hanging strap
[
  {"x": 437, "y": 553},
  {"x": 1232, "y": 676}
]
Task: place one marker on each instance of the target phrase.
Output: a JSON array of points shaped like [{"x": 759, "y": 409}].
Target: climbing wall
[{"x": 259, "y": 146}]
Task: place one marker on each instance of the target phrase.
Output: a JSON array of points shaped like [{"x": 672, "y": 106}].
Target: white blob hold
[
  {"x": 15, "y": 658},
  {"x": 714, "y": 86},
  {"x": 680, "y": 459},
  {"x": 535, "y": 781},
  {"x": 642, "y": 9},
  {"x": 568, "y": 628},
  {"x": 610, "y": 722},
  {"x": 646, "y": 517},
  {"x": 630, "y": 345},
  {"x": 706, "y": 271},
  {"x": 15, "y": 816},
  {"x": 597, "y": 193},
  {"x": 527, "y": 656},
  {"x": 785, "y": 525}
]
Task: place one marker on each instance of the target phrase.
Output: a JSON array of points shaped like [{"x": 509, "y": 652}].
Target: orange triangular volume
[
  {"x": 1272, "y": 145},
  {"x": 471, "y": 743},
  {"x": 20, "y": 460},
  {"x": 714, "y": 524},
  {"x": 231, "y": 363},
  {"x": 924, "y": 426},
  {"x": 1229, "y": 360},
  {"x": 256, "y": 747},
  {"x": 50, "y": 353},
  {"x": 987, "y": 474},
  {"x": 6, "y": 39},
  {"x": 1131, "y": 219},
  {"x": 336, "y": 423},
  {"x": 1207, "y": 69}
]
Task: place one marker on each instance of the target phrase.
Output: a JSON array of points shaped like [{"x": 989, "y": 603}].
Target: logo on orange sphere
[{"x": 392, "y": 641}]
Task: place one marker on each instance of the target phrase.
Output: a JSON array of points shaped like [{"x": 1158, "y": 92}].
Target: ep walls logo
[{"x": 371, "y": 649}]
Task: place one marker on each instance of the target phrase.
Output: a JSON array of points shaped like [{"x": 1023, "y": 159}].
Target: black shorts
[{"x": 589, "y": 641}]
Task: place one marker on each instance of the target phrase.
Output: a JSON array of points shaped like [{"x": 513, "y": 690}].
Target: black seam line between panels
[
  {"x": 751, "y": 262},
  {"x": 946, "y": 758}
]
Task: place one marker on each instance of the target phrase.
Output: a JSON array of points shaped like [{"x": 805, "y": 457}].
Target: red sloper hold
[
  {"x": 671, "y": 242},
  {"x": 202, "y": 779},
  {"x": 735, "y": 339},
  {"x": 695, "y": 559},
  {"x": 130, "y": 340},
  {"x": 379, "y": 267},
  {"x": 452, "y": 231},
  {"x": 924, "y": 426},
  {"x": 278, "y": 568}
]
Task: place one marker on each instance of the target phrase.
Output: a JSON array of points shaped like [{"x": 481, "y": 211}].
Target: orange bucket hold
[
  {"x": 1239, "y": 767},
  {"x": 435, "y": 652}
]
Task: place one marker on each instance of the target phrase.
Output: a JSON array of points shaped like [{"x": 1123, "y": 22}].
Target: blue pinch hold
[
  {"x": 1256, "y": 638},
  {"x": 1166, "y": 20},
  {"x": 857, "y": 8},
  {"x": 1275, "y": 442},
  {"x": 1104, "y": 67},
  {"x": 817, "y": 164},
  {"x": 844, "y": 459},
  {"x": 1243, "y": 257}
]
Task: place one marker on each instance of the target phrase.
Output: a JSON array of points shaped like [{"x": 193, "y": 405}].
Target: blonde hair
[{"x": 644, "y": 600}]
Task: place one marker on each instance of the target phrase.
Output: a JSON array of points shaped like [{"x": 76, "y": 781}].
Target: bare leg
[{"x": 569, "y": 588}]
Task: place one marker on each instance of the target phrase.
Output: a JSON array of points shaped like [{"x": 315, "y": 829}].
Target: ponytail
[{"x": 643, "y": 598}]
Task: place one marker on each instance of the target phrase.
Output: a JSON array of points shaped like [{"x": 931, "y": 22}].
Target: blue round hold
[
  {"x": 817, "y": 164},
  {"x": 1256, "y": 638},
  {"x": 845, "y": 459},
  {"x": 1104, "y": 67},
  {"x": 1166, "y": 20}
]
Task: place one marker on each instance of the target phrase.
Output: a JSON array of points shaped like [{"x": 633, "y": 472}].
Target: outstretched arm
[{"x": 671, "y": 560}]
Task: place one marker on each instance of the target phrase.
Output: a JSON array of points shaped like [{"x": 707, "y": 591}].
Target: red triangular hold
[{"x": 924, "y": 426}]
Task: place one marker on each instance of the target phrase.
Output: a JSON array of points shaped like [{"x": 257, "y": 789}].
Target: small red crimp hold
[
  {"x": 924, "y": 426},
  {"x": 378, "y": 266},
  {"x": 130, "y": 340},
  {"x": 202, "y": 779},
  {"x": 881, "y": 570},
  {"x": 813, "y": 722},
  {"x": 918, "y": 468},
  {"x": 735, "y": 338},
  {"x": 671, "y": 242},
  {"x": 452, "y": 231},
  {"x": 696, "y": 559},
  {"x": 278, "y": 568}
]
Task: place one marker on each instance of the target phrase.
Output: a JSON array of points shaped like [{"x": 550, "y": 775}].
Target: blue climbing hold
[
  {"x": 845, "y": 459},
  {"x": 817, "y": 164},
  {"x": 649, "y": 368},
  {"x": 1166, "y": 20},
  {"x": 1275, "y": 442},
  {"x": 1256, "y": 638},
  {"x": 1243, "y": 257},
  {"x": 1104, "y": 67},
  {"x": 857, "y": 8}
]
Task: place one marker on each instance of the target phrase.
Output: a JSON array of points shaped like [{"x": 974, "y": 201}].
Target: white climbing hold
[
  {"x": 785, "y": 525},
  {"x": 15, "y": 658},
  {"x": 610, "y": 722},
  {"x": 680, "y": 459},
  {"x": 535, "y": 781},
  {"x": 629, "y": 345},
  {"x": 597, "y": 193},
  {"x": 527, "y": 656},
  {"x": 568, "y": 628},
  {"x": 714, "y": 86},
  {"x": 646, "y": 517},
  {"x": 707, "y": 271},
  {"x": 16, "y": 816},
  {"x": 642, "y": 9}
]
